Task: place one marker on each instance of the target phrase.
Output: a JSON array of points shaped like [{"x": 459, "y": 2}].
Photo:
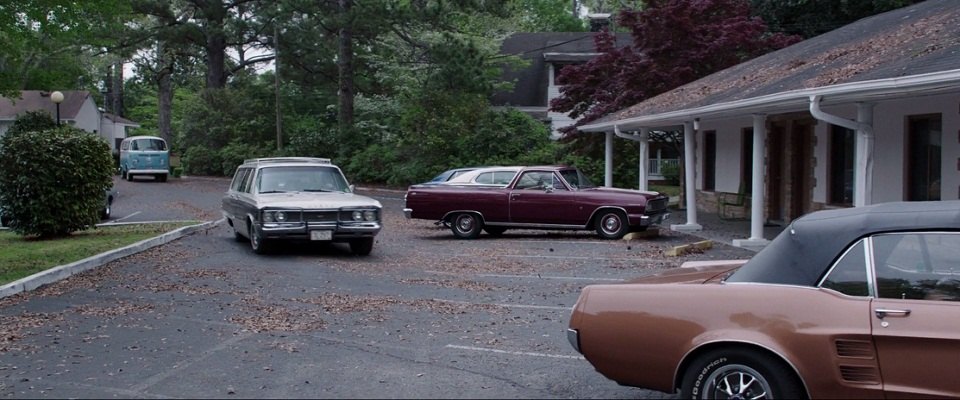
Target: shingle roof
[
  {"x": 32, "y": 100},
  {"x": 913, "y": 40}
]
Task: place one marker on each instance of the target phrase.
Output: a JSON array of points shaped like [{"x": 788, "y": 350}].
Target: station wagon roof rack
[{"x": 314, "y": 160}]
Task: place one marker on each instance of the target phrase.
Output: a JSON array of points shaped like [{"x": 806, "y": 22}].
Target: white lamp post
[{"x": 57, "y": 98}]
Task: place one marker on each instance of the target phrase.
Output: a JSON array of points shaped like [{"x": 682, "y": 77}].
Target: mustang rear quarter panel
[{"x": 639, "y": 334}]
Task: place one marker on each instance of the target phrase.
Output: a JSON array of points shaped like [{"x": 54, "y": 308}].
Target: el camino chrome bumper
[
  {"x": 657, "y": 219},
  {"x": 407, "y": 212}
]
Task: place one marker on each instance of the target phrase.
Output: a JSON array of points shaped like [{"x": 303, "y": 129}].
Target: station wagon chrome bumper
[{"x": 300, "y": 230}]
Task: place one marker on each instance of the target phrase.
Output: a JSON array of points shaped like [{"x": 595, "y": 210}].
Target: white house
[
  {"x": 78, "y": 108},
  {"x": 865, "y": 114}
]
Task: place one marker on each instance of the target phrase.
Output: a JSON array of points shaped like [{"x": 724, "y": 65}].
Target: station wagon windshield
[
  {"x": 576, "y": 179},
  {"x": 301, "y": 179}
]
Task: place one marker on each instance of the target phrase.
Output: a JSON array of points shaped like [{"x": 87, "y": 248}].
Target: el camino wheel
[
  {"x": 257, "y": 242},
  {"x": 361, "y": 247},
  {"x": 466, "y": 226},
  {"x": 730, "y": 374},
  {"x": 612, "y": 224}
]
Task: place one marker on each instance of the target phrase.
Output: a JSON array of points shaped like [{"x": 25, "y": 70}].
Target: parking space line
[
  {"x": 582, "y": 258},
  {"x": 121, "y": 219},
  {"x": 513, "y": 353},
  {"x": 533, "y": 306},
  {"x": 564, "y": 278}
]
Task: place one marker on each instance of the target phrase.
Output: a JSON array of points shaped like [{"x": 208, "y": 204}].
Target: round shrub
[
  {"x": 54, "y": 181},
  {"x": 199, "y": 160}
]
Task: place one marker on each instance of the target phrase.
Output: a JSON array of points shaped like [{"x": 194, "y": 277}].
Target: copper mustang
[{"x": 851, "y": 303}]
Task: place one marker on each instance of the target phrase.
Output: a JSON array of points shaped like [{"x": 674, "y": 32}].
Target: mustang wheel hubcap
[{"x": 737, "y": 382}]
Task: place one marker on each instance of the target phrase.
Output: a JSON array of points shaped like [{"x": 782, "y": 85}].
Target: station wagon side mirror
[{"x": 351, "y": 188}]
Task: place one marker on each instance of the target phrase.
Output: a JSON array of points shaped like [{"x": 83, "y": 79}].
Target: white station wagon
[{"x": 300, "y": 199}]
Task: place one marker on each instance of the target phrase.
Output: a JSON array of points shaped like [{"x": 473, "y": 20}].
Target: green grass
[
  {"x": 22, "y": 256},
  {"x": 672, "y": 191}
]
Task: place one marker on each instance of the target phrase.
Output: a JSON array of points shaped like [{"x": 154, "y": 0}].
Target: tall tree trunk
[
  {"x": 345, "y": 67},
  {"x": 117, "y": 89},
  {"x": 216, "y": 54},
  {"x": 164, "y": 93}
]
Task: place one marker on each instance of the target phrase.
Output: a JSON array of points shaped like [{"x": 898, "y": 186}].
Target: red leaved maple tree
[{"x": 674, "y": 42}]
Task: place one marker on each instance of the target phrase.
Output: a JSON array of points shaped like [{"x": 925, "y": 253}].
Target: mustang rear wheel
[
  {"x": 739, "y": 374},
  {"x": 612, "y": 224},
  {"x": 466, "y": 225}
]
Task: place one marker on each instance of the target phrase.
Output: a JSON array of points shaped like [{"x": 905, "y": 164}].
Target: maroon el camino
[{"x": 542, "y": 197}]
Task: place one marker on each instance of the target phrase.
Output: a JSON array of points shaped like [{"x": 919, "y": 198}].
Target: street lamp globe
[{"x": 57, "y": 98}]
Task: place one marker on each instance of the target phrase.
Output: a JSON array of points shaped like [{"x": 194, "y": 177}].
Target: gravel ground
[{"x": 424, "y": 316}]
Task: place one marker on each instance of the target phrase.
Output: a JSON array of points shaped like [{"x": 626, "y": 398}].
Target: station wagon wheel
[
  {"x": 612, "y": 224},
  {"x": 466, "y": 225},
  {"x": 257, "y": 242},
  {"x": 361, "y": 247},
  {"x": 739, "y": 374}
]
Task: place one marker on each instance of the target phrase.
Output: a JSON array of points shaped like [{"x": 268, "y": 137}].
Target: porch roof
[{"x": 905, "y": 52}]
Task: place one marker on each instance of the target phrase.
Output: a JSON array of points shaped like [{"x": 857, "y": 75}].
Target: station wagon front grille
[
  {"x": 658, "y": 204},
  {"x": 313, "y": 216}
]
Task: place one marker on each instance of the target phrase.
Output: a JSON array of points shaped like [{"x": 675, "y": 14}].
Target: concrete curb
[{"x": 64, "y": 271}]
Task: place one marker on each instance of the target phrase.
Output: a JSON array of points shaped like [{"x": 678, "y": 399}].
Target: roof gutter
[{"x": 794, "y": 100}]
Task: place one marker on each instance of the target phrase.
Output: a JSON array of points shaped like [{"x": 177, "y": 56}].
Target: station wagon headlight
[
  {"x": 358, "y": 215},
  {"x": 274, "y": 216},
  {"x": 370, "y": 215}
]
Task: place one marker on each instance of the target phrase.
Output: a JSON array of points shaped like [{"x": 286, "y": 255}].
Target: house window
[
  {"x": 842, "y": 145},
  {"x": 924, "y": 148},
  {"x": 746, "y": 160},
  {"x": 709, "y": 160}
]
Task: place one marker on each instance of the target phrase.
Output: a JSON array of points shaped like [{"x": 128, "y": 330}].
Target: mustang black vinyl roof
[{"x": 804, "y": 251}]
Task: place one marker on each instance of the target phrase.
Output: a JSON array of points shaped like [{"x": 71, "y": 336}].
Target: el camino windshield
[
  {"x": 300, "y": 179},
  {"x": 576, "y": 179}
]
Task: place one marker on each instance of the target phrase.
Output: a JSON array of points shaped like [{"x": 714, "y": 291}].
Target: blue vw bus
[{"x": 144, "y": 155}]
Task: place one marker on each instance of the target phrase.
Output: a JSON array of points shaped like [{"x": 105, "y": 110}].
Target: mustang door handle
[{"x": 887, "y": 312}]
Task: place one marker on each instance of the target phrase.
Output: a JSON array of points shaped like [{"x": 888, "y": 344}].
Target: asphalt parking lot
[{"x": 424, "y": 316}]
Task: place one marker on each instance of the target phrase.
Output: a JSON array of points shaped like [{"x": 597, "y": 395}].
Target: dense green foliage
[
  {"x": 54, "y": 180},
  {"x": 393, "y": 90},
  {"x": 31, "y": 121}
]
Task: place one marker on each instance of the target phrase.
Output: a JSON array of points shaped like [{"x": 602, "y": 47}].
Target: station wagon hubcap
[{"x": 737, "y": 382}]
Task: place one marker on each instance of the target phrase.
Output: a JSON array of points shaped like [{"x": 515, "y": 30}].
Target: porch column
[
  {"x": 863, "y": 180},
  {"x": 608, "y": 160},
  {"x": 759, "y": 190},
  {"x": 689, "y": 163},
  {"x": 644, "y": 144}
]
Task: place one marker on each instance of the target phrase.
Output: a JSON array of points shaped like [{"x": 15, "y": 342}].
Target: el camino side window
[
  {"x": 919, "y": 266},
  {"x": 849, "y": 274}
]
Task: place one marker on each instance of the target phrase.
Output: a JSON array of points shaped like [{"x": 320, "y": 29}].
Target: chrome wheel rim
[
  {"x": 465, "y": 224},
  {"x": 611, "y": 224},
  {"x": 254, "y": 239},
  {"x": 737, "y": 382}
]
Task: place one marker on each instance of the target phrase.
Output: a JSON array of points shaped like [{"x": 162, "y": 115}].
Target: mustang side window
[
  {"x": 919, "y": 266},
  {"x": 849, "y": 274}
]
